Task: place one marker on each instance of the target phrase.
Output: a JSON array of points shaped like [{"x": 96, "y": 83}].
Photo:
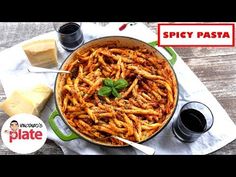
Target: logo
[
  {"x": 199, "y": 35},
  {"x": 24, "y": 133}
]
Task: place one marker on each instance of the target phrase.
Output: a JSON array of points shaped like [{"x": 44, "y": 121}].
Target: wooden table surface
[{"x": 216, "y": 68}]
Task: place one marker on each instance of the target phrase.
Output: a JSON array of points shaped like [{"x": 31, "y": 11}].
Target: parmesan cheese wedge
[
  {"x": 42, "y": 53},
  {"x": 31, "y": 101}
]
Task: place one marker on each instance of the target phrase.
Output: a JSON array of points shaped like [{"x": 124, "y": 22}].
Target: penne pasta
[{"x": 140, "y": 109}]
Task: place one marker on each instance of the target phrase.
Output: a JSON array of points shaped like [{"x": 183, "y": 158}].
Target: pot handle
[
  {"x": 57, "y": 131},
  {"x": 169, "y": 50}
]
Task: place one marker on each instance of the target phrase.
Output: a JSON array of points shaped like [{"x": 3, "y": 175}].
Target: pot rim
[{"x": 90, "y": 140}]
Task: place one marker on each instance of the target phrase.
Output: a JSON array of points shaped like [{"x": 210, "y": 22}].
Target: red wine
[
  {"x": 69, "y": 28},
  {"x": 193, "y": 120},
  {"x": 70, "y": 36}
]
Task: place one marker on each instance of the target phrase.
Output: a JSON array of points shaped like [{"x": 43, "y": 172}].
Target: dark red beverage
[
  {"x": 70, "y": 36},
  {"x": 193, "y": 120}
]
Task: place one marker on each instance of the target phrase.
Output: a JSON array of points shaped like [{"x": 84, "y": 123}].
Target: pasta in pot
[{"x": 143, "y": 107}]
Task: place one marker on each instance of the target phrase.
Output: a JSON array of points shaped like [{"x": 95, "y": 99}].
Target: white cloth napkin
[{"x": 13, "y": 74}]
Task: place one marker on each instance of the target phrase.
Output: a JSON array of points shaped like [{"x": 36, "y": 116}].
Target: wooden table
[{"x": 216, "y": 68}]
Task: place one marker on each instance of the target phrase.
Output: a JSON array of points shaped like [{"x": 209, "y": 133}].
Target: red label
[{"x": 200, "y": 35}]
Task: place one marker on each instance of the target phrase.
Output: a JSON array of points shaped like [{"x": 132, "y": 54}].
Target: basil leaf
[
  {"x": 120, "y": 84},
  {"x": 108, "y": 82},
  {"x": 104, "y": 91},
  {"x": 114, "y": 92}
]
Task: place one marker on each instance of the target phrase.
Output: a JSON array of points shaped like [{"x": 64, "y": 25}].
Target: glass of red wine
[
  {"x": 70, "y": 34},
  {"x": 194, "y": 119}
]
